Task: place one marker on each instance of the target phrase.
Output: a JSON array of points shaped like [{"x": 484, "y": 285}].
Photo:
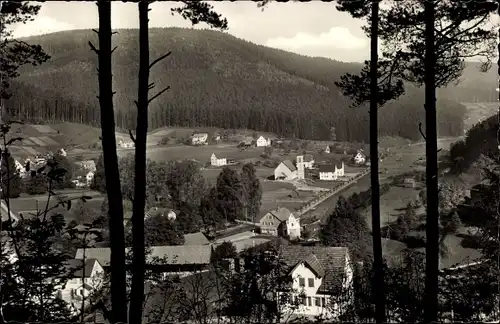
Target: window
[
  {"x": 303, "y": 301},
  {"x": 323, "y": 302},
  {"x": 302, "y": 282},
  {"x": 311, "y": 282},
  {"x": 309, "y": 301},
  {"x": 317, "y": 301}
]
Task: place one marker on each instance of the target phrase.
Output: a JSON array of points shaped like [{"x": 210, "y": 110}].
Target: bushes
[{"x": 364, "y": 198}]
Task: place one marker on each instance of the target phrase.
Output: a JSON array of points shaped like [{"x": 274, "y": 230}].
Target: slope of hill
[
  {"x": 216, "y": 80},
  {"x": 480, "y": 139}
]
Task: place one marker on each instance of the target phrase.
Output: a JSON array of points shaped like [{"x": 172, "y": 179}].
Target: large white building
[
  {"x": 263, "y": 142},
  {"x": 322, "y": 280},
  {"x": 330, "y": 172},
  {"x": 215, "y": 161},
  {"x": 199, "y": 139},
  {"x": 285, "y": 171}
]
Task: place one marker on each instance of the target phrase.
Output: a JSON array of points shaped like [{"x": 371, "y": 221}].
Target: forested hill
[
  {"x": 480, "y": 139},
  {"x": 216, "y": 80}
]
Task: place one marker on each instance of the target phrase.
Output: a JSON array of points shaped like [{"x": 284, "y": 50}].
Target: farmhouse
[
  {"x": 409, "y": 182},
  {"x": 330, "y": 172},
  {"x": 180, "y": 260},
  {"x": 280, "y": 222},
  {"x": 89, "y": 177},
  {"x": 126, "y": 144},
  {"x": 359, "y": 157},
  {"x": 87, "y": 165},
  {"x": 327, "y": 149},
  {"x": 84, "y": 280},
  {"x": 318, "y": 273},
  {"x": 285, "y": 171},
  {"x": 263, "y": 142},
  {"x": 199, "y": 139},
  {"x": 214, "y": 161}
]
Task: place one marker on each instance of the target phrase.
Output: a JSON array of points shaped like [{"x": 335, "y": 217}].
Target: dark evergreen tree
[
  {"x": 346, "y": 227},
  {"x": 99, "y": 180},
  {"x": 229, "y": 201},
  {"x": 12, "y": 184},
  {"x": 37, "y": 184},
  {"x": 252, "y": 191}
]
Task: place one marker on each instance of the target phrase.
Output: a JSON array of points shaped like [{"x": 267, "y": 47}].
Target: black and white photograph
[{"x": 248, "y": 162}]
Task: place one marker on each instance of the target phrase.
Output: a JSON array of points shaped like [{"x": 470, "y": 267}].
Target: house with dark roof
[
  {"x": 197, "y": 238},
  {"x": 285, "y": 171},
  {"x": 178, "y": 259},
  {"x": 86, "y": 278},
  {"x": 280, "y": 222},
  {"x": 330, "y": 172},
  {"x": 322, "y": 277}
]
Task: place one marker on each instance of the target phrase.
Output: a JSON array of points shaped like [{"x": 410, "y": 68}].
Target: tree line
[{"x": 224, "y": 97}]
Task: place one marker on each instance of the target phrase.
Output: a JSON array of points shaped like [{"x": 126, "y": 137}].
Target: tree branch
[
  {"x": 131, "y": 135},
  {"x": 114, "y": 49},
  {"x": 92, "y": 47},
  {"x": 158, "y": 94},
  {"x": 151, "y": 86},
  {"x": 159, "y": 59},
  {"x": 421, "y": 131},
  {"x": 95, "y": 31}
]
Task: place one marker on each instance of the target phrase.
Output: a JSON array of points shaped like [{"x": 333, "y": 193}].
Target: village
[{"x": 315, "y": 175}]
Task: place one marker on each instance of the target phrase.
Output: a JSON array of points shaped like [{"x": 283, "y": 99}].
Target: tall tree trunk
[
  {"x": 432, "y": 221},
  {"x": 375, "y": 185},
  {"x": 138, "y": 263},
  {"x": 116, "y": 230}
]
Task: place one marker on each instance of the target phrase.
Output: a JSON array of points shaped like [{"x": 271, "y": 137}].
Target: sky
[{"x": 314, "y": 28}]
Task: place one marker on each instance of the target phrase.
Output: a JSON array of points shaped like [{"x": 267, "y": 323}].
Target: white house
[
  {"x": 20, "y": 168},
  {"x": 62, "y": 152},
  {"x": 85, "y": 280},
  {"x": 280, "y": 222},
  {"x": 360, "y": 157},
  {"x": 126, "y": 144},
  {"x": 322, "y": 280},
  {"x": 262, "y": 142},
  {"x": 214, "y": 161},
  {"x": 285, "y": 171},
  {"x": 199, "y": 139},
  {"x": 307, "y": 161},
  {"x": 330, "y": 172},
  {"x": 89, "y": 177},
  {"x": 327, "y": 149}
]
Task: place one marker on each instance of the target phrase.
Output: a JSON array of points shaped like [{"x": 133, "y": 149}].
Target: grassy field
[{"x": 395, "y": 199}]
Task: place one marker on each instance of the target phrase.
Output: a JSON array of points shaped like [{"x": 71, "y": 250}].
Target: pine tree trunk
[
  {"x": 375, "y": 185},
  {"x": 116, "y": 230},
  {"x": 432, "y": 221},
  {"x": 138, "y": 263}
]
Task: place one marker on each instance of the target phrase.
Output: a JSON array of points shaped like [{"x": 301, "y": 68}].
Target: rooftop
[
  {"x": 289, "y": 165},
  {"x": 77, "y": 266},
  {"x": 197, "y": 238},
  {"x": 327, "y": 262},
  {"x": 179, "y": 254}
]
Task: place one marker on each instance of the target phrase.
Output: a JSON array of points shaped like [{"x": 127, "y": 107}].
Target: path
[{"x": 331, "y": 193}]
